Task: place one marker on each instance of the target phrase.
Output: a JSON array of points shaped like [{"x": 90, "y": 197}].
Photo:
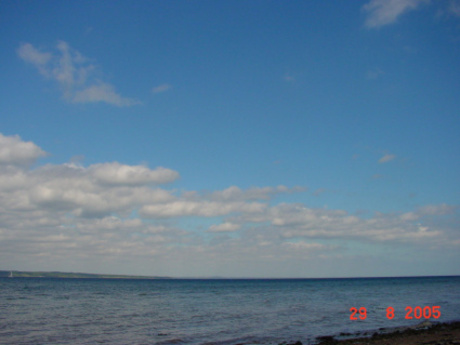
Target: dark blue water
[{"x": 98, "y": 311}]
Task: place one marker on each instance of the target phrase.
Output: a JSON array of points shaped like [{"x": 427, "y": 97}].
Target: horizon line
[{"x": 141, "y": 276}]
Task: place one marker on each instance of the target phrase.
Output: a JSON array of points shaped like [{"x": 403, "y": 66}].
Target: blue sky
[{"x": 238, "y": 139}]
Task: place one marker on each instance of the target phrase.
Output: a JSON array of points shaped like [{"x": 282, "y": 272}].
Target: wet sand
[{"x": 422, "y": 334}]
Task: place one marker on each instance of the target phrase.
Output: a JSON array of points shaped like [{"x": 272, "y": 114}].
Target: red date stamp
[{"x": 411, "y": 313}]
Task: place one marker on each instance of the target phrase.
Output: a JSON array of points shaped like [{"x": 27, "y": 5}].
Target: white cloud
[
  {"x": 84, "y": 192},
  {"x": 384, "y": 12},
  {"x": 74, "y": 75},
  {"x": 303, "y": 246},
  {"x": 28, "y": 53},
  {"x": 120, "y": 174},
  {"x": 254, "y": 193},
  {"x": 102, "y": 92},
  {"x": 298, "y": 221},
  {"x": 224, "y": 227},
  {"x": 436, "y": 210},
  {"x": 162, "y": 88},
  {"x": 14, "y": 151},
  {"x": 409, "y": 216},
  {"x": 55, "y": 216},
  {"x": 182, "y": 208},
  {"x": 387, "y": 158}
]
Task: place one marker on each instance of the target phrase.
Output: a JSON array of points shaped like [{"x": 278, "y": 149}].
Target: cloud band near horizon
[{"x": 113, "y": 210}]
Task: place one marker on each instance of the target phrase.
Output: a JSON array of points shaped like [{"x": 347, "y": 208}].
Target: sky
[{"x": 278, "y": 139}]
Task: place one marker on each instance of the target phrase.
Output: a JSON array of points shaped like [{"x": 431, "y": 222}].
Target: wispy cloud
[
  {"x": 235, "y": 193},
  {"x": 454, "y": 7},
  {"x": 288, "y": 78},
  {"x": 387, "y": 158},
  {"x": 319, "y": 192},
  {"x": 374, "y": 73},
  {"x": 162, "y": 88},
  {"x": 74, "y": 74},
  {"x": 40, "y": 60},
  {"x": 384, "y": 12},
  {"x": 101, "y": 92}
]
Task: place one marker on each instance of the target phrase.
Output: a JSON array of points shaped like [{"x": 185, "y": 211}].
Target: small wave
[{"x": 171, "y": 341}]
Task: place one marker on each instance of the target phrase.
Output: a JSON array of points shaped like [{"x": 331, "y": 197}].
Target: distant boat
[{"x": 11, "y": 274}]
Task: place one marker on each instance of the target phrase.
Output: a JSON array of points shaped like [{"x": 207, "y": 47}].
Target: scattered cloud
[
  {"x": 74, "y": 74},
  {"x": 297, "y": 221},
  {"x": 162, "y": 88},
  {"x": 387, "y": 158},
  {"x": 67, "y": 213},
  {"x": 385, "y": 12}
]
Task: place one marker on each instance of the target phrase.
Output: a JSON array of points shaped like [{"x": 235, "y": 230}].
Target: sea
[{"x": 216, "y": 311}]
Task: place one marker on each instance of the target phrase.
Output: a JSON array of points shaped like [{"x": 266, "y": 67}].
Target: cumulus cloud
[
  {"x": 202, "y": 208},
  {"x": 116, "y": 213},
  {"x": 224, "y": 227},
  {"x": 74, "y": 74},
  {"x": 15, "y": 151},
  {"x": 120, "y": 174},
  {"x": 86, "y": 192},
  {"x": 385, "y": 12}
]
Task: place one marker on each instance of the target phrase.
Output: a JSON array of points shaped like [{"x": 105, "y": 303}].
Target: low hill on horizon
[{"x": 56, "y": 274}]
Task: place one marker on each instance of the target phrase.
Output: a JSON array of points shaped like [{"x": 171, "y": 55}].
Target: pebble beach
[{"x": 423, "y": 334}]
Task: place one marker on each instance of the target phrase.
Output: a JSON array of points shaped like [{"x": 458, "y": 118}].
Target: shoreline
[{"x": 426, "y": 333}]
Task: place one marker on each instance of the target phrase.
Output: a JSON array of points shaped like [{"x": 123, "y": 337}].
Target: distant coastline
[
  {"x": 29, "y": 274},
  {"x": 58, "y": 274}
]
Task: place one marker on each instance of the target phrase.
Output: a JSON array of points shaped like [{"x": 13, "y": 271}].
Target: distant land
[
  {"x": 70, "y": 275},
  {"x": 27, "y": 274}
]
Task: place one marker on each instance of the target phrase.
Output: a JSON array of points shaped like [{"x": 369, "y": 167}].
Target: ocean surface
[{"x": 170, "y": 311}]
